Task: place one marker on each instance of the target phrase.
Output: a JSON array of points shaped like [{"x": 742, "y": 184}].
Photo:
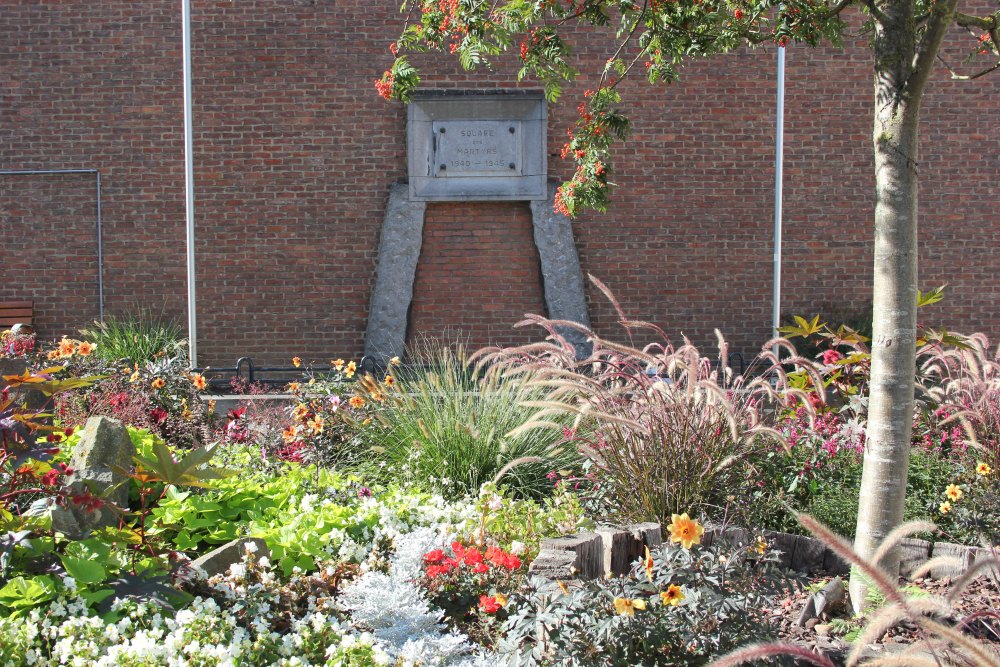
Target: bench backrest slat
[{"x": 15, "y": 312}]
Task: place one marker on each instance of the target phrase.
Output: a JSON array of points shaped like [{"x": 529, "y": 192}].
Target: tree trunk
[{"x": 901, "y": 71}]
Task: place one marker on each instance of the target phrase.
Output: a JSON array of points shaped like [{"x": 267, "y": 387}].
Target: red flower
[
  {"x": 384, "y": 85},
  {"x": 481, "y": 568},
  {"x": 489, "y": 604},
  {"x": 158, "y": 415},
  {"x": 87, "y": 501},
  {"x": 472, "y": 557},
  {"x": 738, "y": 14},
  {"x": 51, "y": 478},
  {"x": 512, "y": 562},
  {"x": 495, "y": 555},
  {"x": 831, "y": 357},
  {"x": 433, "y": 557}
]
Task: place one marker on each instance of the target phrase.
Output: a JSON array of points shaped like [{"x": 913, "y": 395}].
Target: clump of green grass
[
  {"x": 448, "y": 428},
  {"x": 135, "y": 337}
]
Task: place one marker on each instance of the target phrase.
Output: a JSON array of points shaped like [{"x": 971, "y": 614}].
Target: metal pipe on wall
[
  {"x": 189, "y": 185},
  {"x": 779, "y": 158},
  {"x": 100, "y": 232}
]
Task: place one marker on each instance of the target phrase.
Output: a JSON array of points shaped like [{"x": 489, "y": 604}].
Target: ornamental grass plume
[
  {"x": 663, "y": 429},
  {"x": 964, "y": 380}
]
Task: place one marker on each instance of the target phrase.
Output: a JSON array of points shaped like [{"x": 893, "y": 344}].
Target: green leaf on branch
[
  {"x": 927, "y": 298},
  {"x": 803, "y": 327}
]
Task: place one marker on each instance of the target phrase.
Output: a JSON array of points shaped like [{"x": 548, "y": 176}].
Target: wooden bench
[{"x": 16, "y": 312}]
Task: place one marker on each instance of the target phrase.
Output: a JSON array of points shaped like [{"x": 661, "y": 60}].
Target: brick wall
[
  {"x": 51, "y": 255},
  {"x": 295, "y": 153},
  {"x": 478, "y": 274}
]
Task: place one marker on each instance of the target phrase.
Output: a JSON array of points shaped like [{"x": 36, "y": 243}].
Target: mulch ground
[{"x": 976, "y": 611}]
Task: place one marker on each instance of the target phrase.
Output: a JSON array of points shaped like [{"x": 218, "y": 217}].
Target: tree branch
[
  {"x": 941, "y": 19},
  {"x": 837, "y": 8},
  {"x": 968, "y": 77},
  {"x": 992, "y": 27},
  {"x": 988, "y": 23},
  {"x": 875, "y": 11}
]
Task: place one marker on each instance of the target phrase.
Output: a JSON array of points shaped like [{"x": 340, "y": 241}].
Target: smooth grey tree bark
[{"x": 903, "y": 62}]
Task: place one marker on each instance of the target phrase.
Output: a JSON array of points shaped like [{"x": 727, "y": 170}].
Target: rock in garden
[
  {"x": 831, "y": 597},
  {"x": 32, "y": 399},
  {"x": 219, "y": 560},
  {"x": 63, "y": 520},
  {"x": 104, "y": 446}
]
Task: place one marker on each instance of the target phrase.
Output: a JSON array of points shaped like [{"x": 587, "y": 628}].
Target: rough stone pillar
[
  {"x": 561, "y": 274},
  {"x": 398, "y": 252}
]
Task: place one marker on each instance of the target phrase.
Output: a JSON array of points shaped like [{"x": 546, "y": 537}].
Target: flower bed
[{"x": 360, "y": 559}]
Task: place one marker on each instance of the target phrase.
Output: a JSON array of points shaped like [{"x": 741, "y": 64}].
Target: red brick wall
[
  {"x": 295, "y": 153},
  {"x": 50, "y": 248},
  {"x": 477, "y": 276}
]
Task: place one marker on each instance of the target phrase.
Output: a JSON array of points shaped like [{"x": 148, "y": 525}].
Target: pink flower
[{"x": 831, "y": 357}]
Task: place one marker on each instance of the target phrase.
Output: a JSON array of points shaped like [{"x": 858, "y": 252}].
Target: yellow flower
[
  {"x": 672, "y": 596},
  {"x": 983, "y": 468},
  {"x": 198, "y": 380},
  {"x": 501, "y": 599},
  {"x": 394, "y": 361},
  {"x": 378, "y": 396},
  {"x": 66, "y": 347},
  {"x": 134, "y": 377},
  {"x": 84, "y": 349},
  {"x": 211, "y": 406},
  {"x": 290, "y": 434},
  {"x": 760, "y": 545},
  {"x": 356, "y": 402},
  {"x": 627, "y": 606},
  {"x": 953, "y": 492},
  {"x": 389, "y": 380},
  {"x": 296, "y": 362},
  {"x": 367, "y": 421},
  {"x": 349, "y": 371},
  {"x": 647, "y": 562},
  {"x": 685, "y": 530},
  {"x": 563, "y": 588},
  {"x": 293, "y": 386},
  {"x": 157, "y": 383},
  {"x": 944, "y": 507},
  {"x": 300, "y": 411},
  {"x": 53, "y": 354},
  {"x": 316, "y": 424},
  {"x": 337, "y": 363}
]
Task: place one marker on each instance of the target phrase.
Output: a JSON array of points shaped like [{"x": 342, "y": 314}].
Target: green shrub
[{"x": 450, "y": 427}]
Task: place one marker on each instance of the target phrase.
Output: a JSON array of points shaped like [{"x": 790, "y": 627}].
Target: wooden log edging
[{"x": 613, "y": 549}]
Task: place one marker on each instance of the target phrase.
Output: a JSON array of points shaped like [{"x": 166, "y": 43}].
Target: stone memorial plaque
[{"x": 476, "y": 146}]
